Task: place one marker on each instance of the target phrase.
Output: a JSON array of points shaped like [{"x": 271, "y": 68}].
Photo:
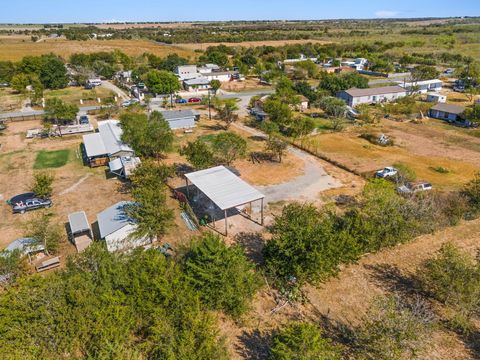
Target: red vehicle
[{"x": 194, "y": 100}]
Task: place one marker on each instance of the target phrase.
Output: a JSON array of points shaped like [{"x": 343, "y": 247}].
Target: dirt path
[
  {"x": 303, "y": 188},
  {"x": 122, "y": 94},
  {"x": 74, "y": 186}
]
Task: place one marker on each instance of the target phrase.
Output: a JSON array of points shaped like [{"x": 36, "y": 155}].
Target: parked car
[
  {"x": 315, "y": 115},
  {"x": 127, "y": 103},
  {"x": 181, "y": 101},
  {"x": 386, "y": 172},
  {"x": 83, "y": 120},
  {"x": 194, "y": 100},
  {"x": 27, "y": 202},
  {"x": 352, "y": 113},
  {"x": 414, "y": 187}
]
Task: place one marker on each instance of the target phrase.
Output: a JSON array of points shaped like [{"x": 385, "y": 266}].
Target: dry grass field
[
  {"x": 422, "y": 147},
  {"x": 16, "y": 48}
]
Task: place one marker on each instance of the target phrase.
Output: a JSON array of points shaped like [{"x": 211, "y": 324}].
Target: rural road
[
  {"x": 244, "y": 98},
  {"x": 19, "y": 114},
  {"x": 110, "y": 86},
  {"x": 304, "y": 187}
]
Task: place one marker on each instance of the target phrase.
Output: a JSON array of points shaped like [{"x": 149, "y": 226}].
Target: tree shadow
[
  {"x": 216, "y": 127},
  {"x": 252, "y": 244},
  {"x": 254, "y": 345},
  {"x": 258, "y": 138},
  {"x": 391, "y": 279}
]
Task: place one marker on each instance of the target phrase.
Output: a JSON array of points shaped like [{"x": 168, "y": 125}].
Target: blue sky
[{"x": 45, "y": 11}]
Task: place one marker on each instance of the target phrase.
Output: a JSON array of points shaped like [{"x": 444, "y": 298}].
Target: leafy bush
[
  {"x": 393, "y": 330},
  {"x": 405, "y": 172},
  {"x": 223, "y": 276},
  {"x": 472, "y": 191},
  {"x": 302, "y": 341},
  {"x": 453, "y": 277},
  {"x": 108, "y": 306},
  {"x": 42, "y": 185}
]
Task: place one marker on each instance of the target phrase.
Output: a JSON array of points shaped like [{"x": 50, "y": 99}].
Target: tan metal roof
[{"x": 375, "y": 91}]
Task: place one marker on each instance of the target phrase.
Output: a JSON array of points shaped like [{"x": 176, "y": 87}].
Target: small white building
[
  {"x": 437, "y": 98},
  {"x": 186, "y": 72},
  {"x": 124, "y": 166},
  {"x": 421, "y": 87},
  {"x": 300, "y": 59},
  {"x": 117, "y": 228},
  {"x": 354, "y": 97},
  {"x": 196, "y": 84},
  {"x": 208, "y": 68},
  {"x": 222, "y": 76}
]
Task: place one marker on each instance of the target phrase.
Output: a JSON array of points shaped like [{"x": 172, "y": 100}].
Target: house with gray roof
[
  {"x": 447, "y": 112},
  {"x": 117, "y": 228},
  {"x": 354, "y": 97},
  {"x": 106, "y": 145},
  {"x": 180, "y": 119}
]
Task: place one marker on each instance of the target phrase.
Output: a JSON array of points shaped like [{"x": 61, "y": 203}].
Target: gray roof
[
  {"x": 94, "y": 145},
  {"x": 449, "y": 108},
  {"x": 111, "y": 134},
  {"x": 224, "y": 188},
  {"x": 179, "y": 114},
  {"x": 113, "y": 219},
  {"x": 78, "y": 222},
  {"x": 375, "y": 91},
  {"x": 25, "y": 246},
  {"x": 197, "y": 81}
]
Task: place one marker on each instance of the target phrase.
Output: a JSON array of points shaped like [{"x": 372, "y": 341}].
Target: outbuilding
[
  {"x": 436, "y": 98},
  {"x": 80, "y": 232},
  {"x": 106, "y": 145},
  {"x": 225, "y": 190},
  {"x": 117, "y": 228},
  {"x": 354, "y": 97},
  {"x": 421, "y": 87},
  {"x": 448, "y": 112},
  {"x": 26, "y": 247},
  {"x": 180, "y": 119}
]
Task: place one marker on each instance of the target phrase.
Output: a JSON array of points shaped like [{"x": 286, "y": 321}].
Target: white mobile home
[
  {"x": 421, "y": 87},
  {"x": 196, "y": 84},
  {"x": 437, "y": 98},
  {"x": 354, "y": 97},
  {"x": 117, "y": 228}
]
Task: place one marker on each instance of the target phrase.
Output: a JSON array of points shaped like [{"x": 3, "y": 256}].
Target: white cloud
[{"x": 386, "y": 13}]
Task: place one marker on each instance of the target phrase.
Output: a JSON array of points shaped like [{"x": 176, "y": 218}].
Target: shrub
[
  {"x": 302, "y": 341},
  {"x": 393, "y": 330},
  {"x": 453, "y": 277},
  {"x": 42, "y": 185},
  {"x": 472, "y": 191},
  {"x": 223, "y": 276},
  {"x": 405, "y": 172}
]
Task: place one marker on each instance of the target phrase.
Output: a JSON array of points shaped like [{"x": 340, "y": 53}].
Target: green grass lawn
[{"x": 51, "y": 159}]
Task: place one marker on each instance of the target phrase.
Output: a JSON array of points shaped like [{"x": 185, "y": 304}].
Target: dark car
[
  {"x": 28, "y": 201},
  {"x": 84, "y": 120},
  {"x": 194, "y": 100}
]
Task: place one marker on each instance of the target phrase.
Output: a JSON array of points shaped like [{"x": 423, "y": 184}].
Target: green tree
[
  {"x": 302, "y": 341},
  {"x": 42, "y": 184},
  {"x": 424, "y": 72},
  {"x": 472, "y": 191},
  {"x": 149, "y": 208},
  {"x": 19, "y": 82},
  {"x": 227, "y": 114},
  {"x": 215, "y": 85},
  {"x": 303, "y": 247},
  {"x": 280, "y": 113},
  {"x": 276, "y": 146},
  {"x": 301, "y": 126},
  {"x": 222, "y": 275},
  {"x": 53, "y": 74},
  {"x": 7, "y": 71},
  {"x": 12, "y": 265},
  {"x": 229, "y": 147},
  {"x": 162, "y": 82},
  {"x": 199, "y": 154},
  {"x": 148, "y": 136},
  {"x": 333, "y": 106},
  {"x": 56, "y": 109},
  {"x": 44, "y": 231}
]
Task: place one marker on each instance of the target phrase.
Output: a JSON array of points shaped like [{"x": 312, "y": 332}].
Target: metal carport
[{"x": 224, "y": 189}]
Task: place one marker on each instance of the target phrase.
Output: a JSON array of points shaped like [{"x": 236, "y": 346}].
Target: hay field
[{"x": 15, "y": 48}]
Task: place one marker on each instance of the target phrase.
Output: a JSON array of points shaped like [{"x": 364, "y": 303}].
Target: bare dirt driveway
[
  {"x": 305, "y": 187},
  {"x": 121, "y": 94}
]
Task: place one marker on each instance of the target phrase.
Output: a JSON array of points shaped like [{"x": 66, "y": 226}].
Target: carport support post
[
  {"x": 226, "y": 224},
  {"x": 261, "y": 210},
  {"x": 188, "y": 191}
]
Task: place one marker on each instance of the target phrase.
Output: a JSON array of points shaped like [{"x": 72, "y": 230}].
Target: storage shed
[
  {"x": 116, "y": 228},
  {"x": 448, "y": 112},
  {"x": 80, "y": 231}
]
